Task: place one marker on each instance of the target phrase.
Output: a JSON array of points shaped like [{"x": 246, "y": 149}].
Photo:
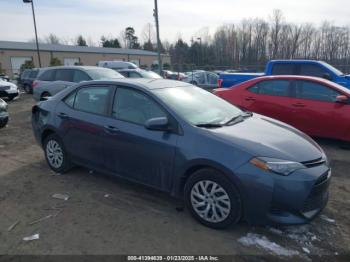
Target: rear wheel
[
  {"x": 212, "y": 199},
  {"x": 56, "y": 155},
  {"x": 3, "y": 122},
  {"x": 27, "y": 89}
]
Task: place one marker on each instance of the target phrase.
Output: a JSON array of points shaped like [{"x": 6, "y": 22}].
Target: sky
[{"x": 185, "y": 18}]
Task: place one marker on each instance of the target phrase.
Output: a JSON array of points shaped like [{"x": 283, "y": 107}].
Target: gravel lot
[{"x": 105, "y": 215}]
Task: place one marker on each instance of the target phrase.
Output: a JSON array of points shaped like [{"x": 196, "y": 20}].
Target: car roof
[
  {"x": 144, "y": 83},
  {"x": 75, "y": 67}
]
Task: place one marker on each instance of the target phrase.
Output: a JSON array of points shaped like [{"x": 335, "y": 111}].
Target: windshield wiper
[
  {"x": 209, "y": 125},
  {"x": 239, "y": 118}
]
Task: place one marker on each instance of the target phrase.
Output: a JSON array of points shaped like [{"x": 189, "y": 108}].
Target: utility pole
[
  {"x": 36, "y": 33},
  {"x": 155, "y": 14},
  {"x": 200, "y": 49}
]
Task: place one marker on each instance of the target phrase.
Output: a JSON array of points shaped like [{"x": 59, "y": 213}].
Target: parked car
[
  {"x": 225, "y": 163},
  {"x": 52, "y": 80},
  {"x": 290, "y": 67},
  {"x": 139, "y": 73},
  {"x": 27, "y": 78},
  {"x": 316, "y": 106},
  {"x": 4, "y": 115},
  {"x": 173, "y": 75},
  {"x": 4, "y": 77},
  {"x": 204, "y": 79},
  {"x": 8, "y": 90},
  {"x": 117, "y": 65}
]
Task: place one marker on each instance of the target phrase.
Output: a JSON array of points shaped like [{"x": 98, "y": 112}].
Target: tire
[
  {"x": 230, "y": 202},
  {"x": 28, "y": 89},
  {"x": 4, "y": 122},
  {"x": 56, "y": 155},
  {"x": 194, "y": 83},
  {"x": 10, "y": 98}
]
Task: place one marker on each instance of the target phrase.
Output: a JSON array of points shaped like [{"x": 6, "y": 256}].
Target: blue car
[{"x": 225, "y": 164}]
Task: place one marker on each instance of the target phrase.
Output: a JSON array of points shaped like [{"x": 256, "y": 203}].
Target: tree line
[{"x": 248, "y": 44}]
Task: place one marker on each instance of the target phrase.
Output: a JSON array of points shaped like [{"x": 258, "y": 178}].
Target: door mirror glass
[
  {"x": 157, "y": 123},
  {"x": 341, "y": 99}
]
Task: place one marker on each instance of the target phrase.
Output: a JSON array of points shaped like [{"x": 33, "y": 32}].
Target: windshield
[
  {"x": 103, "y": 73},
  {"x": 198, "y": 106},
  {"x": 333, "y": 69},
  {"x": 149, "y": 74}
]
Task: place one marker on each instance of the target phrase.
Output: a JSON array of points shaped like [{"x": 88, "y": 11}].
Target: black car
[
  {"x": 4, "y": 115},
  {"x": 27, "y": 78}
]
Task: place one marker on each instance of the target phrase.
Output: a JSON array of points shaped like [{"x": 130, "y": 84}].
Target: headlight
[{"x": 278, "y": 166}]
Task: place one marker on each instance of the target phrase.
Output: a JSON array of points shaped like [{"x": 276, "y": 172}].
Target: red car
[{"x": 316, "y": 106}]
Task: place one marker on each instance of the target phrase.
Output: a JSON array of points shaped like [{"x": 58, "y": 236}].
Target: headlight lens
[{"x": 278, "y": 166}]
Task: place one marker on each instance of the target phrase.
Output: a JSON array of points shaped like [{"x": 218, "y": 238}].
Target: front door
[{"x": 135, "y": 152}]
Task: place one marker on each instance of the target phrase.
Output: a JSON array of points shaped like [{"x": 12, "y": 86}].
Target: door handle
[
  {"x": 63, "y": 115},
  {"x": 298, "y": 105},
  {"x": 111, "y": 129},
  {"x": 250, "y": 98}
]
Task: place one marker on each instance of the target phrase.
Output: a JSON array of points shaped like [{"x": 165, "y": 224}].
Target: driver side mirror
[
  {"x": 158, "y": 124},
  {"x": 341, "y": 99},
  {"x": 327, "y": 76}
]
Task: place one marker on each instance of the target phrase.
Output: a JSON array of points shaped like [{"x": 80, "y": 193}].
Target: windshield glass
[
  {"x": 103, "y": 73},
  {"x": 149, "y": 74},
  {"x": 333, "y": 69},
  {"x": 198, "y": 106}
]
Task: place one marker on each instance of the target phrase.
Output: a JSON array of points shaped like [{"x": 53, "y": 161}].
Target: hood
[
  {"x": 5, "y": 83},
  {"x": 265, "y": 137}
]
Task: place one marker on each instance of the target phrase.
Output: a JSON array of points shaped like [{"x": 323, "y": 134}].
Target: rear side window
[
  {"x": 283, "y": 69},
  {"x": 69, "y": 100},
  {"x": 25, "y": 73},
  {"x": 272, "y": 88},
  {"x": 312, "y": 70},
  {"x": 92, "y": 99},
  {"x": 80, "y": 76},
  {"x": 47, "y": 75},
  {"x": 315, "y": 91},
  {"x": 64, "y": 75}
]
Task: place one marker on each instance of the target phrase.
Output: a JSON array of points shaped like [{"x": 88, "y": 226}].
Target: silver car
[
  {"x": 52, "y": 80},
  {"x": 203, "y": 79}
]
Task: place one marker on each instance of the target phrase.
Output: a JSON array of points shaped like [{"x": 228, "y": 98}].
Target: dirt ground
[{"x": 105, "y": 215}]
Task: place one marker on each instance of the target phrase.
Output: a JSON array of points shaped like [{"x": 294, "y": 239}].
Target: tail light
[
  {"x": 34, "y": 84},
  {"x": 219, "y": 83}
]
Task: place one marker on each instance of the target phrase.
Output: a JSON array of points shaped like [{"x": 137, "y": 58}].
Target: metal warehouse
[{"x": 14, "y": 54}]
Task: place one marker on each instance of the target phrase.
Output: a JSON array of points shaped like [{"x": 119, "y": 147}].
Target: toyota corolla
[{"x": 224, "y": 163}]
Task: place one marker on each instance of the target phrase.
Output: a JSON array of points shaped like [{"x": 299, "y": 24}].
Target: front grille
[
  {"x": 319, "y": 193},
  {"x": 315, "y": 162}
]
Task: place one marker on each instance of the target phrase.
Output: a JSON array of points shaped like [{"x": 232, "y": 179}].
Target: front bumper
[
  {"x": 270, "y": 198},
  {"x": 10, "y": 93}
]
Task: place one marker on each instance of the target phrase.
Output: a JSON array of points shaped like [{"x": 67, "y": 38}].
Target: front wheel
[
  {"x": 3, "y": 122},
  {"x": 56, "y": 155},
  {"x": 212, "y": 199}
]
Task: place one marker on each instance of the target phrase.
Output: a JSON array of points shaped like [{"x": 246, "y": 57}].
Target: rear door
[
  {"x": 270, "y": 98},
  {"x": 315, "y": 111},
  {"x": 63, "y": 79},
  {"x": 82, "y": 119}
]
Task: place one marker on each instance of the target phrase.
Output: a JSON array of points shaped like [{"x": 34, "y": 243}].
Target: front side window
[
  {"x": 92, "y": 99},
  {"x": 315, "y": 91},
  {"x": 197, "y": 106},
  {"x": 103, "y": 74},
  {"x": 134, "y": 106},
  {"x": 134, "y": 75},
  {"x": 80, "y": 76},
  {"x": 64, "y": 75},
  {"x": 274, "y": 87},
  {"x": 312, "y": 70}
]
